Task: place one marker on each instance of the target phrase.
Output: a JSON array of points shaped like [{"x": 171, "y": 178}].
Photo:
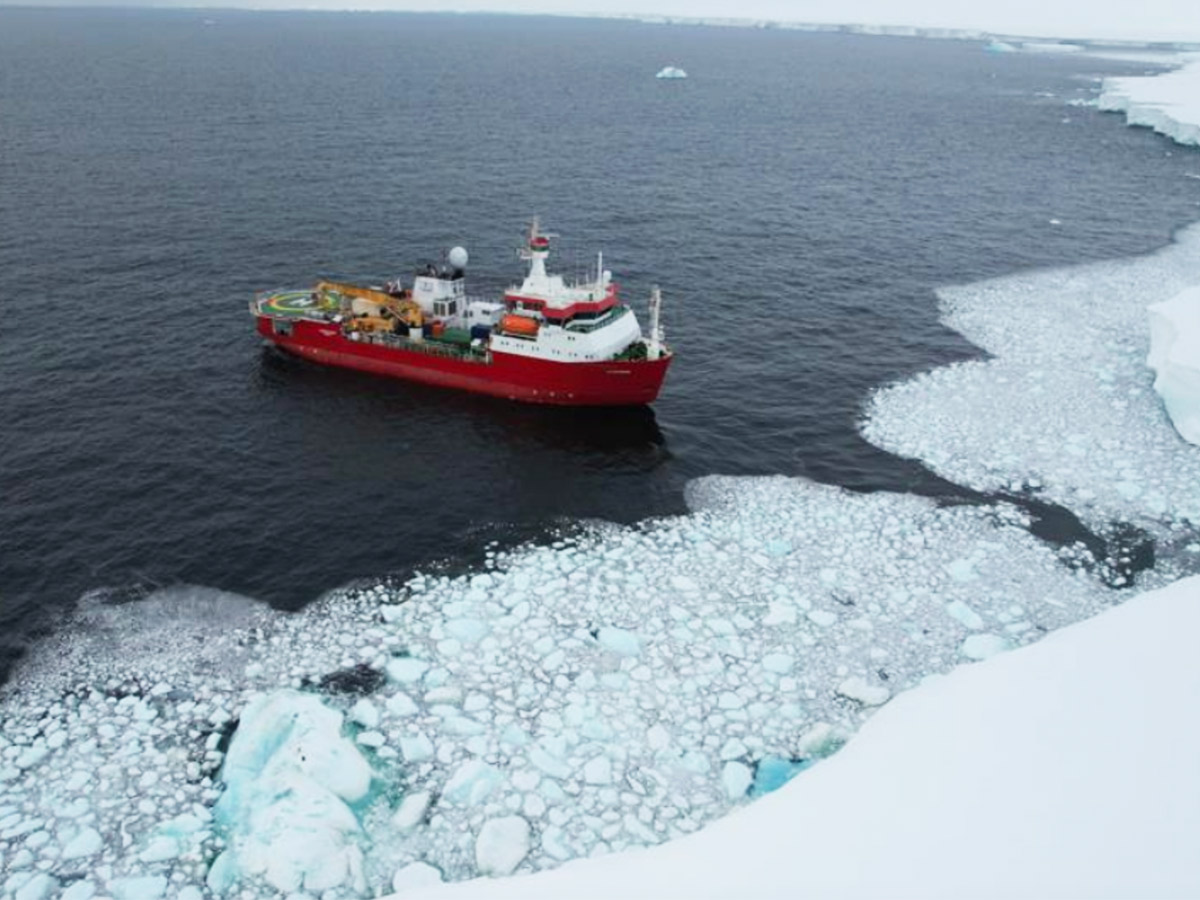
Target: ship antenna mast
[{"x": 654, "y": 349}]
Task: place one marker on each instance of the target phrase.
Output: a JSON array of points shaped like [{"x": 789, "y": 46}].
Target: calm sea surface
[{"x": 797, "y": 198}]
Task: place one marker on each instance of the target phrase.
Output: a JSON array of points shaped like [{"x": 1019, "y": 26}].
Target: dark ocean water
[{"x": 798, "y": 199}]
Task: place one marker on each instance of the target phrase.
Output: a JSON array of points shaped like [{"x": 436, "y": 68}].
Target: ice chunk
[
  {"x": 964, "y": 614},
  {"x": 416, "y": 747},
  {"x": 289, "y": 775},
  {"x": 32, "y": 756},
  {"x": 86, "y": 843},
  {"x": 501, "y": 845},
  {"x": 779, "y": 663},
  {"x": 411, "y": 811},
  {"x": 619, "y": 641},
  {"x": 861, "y": 690},
  {"x": 598, "y": 770},
  {"x": 471, "y": 783},
  {"x": 732, "y": 749},
  {"x": 407, "y": 669},
  {"x": 40, "y": 887},
  {"x": 416, "y": 875},
  {"x": 736, "y": 778},
  {"x": 85, "y": 890},
  {"x": 961, "y": 570},
  {"x": 548, "y": 762},
  {"x": 146, "y": 887},
  {"x": 401, "y": 705},
  {"x": 982, "y": 646},
  {"x": 468, "y": 631},
  {"x": 1175, "y": 358},
  {"x": 822, "y": 617},
  {"x": 365, "y": 713}
]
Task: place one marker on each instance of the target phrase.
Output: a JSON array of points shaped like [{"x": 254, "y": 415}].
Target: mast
[{"x": 654, "y": 348}]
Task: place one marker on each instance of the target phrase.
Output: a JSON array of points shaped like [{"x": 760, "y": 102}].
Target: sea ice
[
  {"x": 983, "y": 646},
  {"x": 603, "y": 750},
  {"x": 859, "y": 689},
  {"x": 501, "y": 845},
  {"x": 415, "y": 875},
  {"x": 1175, "y": 358},
  {"x": 1071, "y": 415},
  {"x": 1101, "y": 811},
  {"x": 1169, "y": 103},
  {"x": 289, "y": 776}
]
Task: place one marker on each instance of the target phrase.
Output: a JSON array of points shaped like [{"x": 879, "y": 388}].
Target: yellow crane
[{"x": 403, "y": 308}]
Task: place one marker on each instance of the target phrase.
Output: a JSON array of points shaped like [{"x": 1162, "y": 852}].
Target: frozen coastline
[
  {"x": 633, "y": 686},
  {"x": 1168, "y": 103}
]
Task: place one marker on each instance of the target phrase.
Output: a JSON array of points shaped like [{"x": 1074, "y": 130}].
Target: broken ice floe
[
  {"x": 1065, "y": 408},
  {"x": 612, "y": 692}
]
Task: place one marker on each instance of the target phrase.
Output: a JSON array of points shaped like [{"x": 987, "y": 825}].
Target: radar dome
[{"x": 458, "y": 257}]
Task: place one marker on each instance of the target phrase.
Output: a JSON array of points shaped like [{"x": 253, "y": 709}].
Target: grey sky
[{"x": 1177, "y": 20}]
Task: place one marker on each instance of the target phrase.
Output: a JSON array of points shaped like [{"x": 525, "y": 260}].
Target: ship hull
[{"x": 506, "y": 375}]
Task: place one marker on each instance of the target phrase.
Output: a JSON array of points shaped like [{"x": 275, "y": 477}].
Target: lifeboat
[{"x": 521, "y": 326}]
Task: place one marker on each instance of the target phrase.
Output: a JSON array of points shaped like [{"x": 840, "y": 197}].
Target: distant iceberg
[
  {"x": 1000, "y": 47},
  {"x": 671, "y": 72}
]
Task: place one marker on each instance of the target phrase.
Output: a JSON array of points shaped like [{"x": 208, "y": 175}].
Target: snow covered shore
[
  {"x": 1168, "y": 103},
  {"x": 1062, "y": 769}
]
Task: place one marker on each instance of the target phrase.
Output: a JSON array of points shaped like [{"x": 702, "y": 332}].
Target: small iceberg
[
  {"x": 671, "y": 72},
  {"x": 1000, "y": 47}
]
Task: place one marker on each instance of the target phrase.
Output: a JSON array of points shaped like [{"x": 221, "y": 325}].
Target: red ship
[{"x": 546, "y": 342}]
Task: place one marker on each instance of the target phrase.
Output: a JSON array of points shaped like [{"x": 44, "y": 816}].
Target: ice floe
[
  {"x": 1168, "y": 103},
  {"x": 1175, "y": 358},
  {"x": 1072, "y": 762},
  {"x": 1065, "y": 408}
]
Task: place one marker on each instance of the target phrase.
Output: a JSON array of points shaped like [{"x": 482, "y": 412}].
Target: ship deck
[{"x": 297, "y": 304}]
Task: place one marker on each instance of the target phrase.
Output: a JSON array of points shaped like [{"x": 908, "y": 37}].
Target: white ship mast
[{"x": 654, "y": 348}]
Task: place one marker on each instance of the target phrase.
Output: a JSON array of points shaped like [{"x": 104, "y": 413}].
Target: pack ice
[
  {"x": 1065, "y": 408},
  {"x": 1030, "y": 792},
  {"x": 615, "y": 690}
]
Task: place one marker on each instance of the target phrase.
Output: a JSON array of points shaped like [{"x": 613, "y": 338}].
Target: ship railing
[{"x": 427, "y": 347}]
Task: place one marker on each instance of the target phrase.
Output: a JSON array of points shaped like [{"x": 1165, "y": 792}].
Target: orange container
[
  {"x": 436, "y": 329},
  {"x": 522, "y": 325}
]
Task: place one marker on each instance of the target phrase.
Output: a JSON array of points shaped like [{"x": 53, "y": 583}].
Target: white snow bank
[
  {"x": 1175, "y": 358},
  {"x": 1067, "y": 768},
  {"x": 1066, "y": 407},
  {"x": 1168, "y": 103}
]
